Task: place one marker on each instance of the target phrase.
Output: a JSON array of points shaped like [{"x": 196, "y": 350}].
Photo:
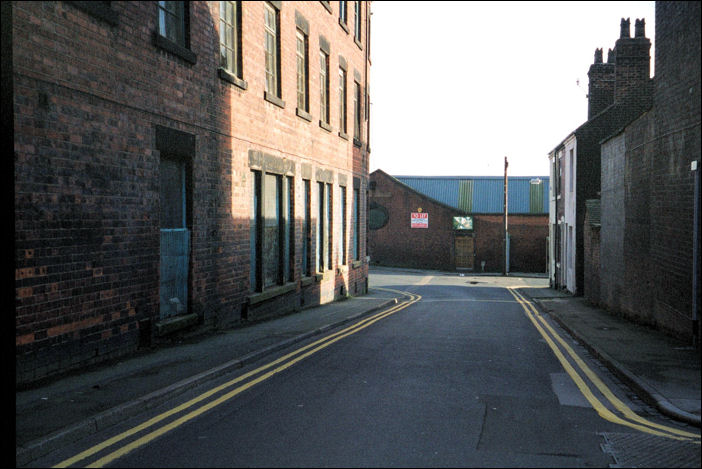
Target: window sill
[
  {"x": 271, "y": 292},
  {"x": 306, "y": 281},
  {"x": 325, "y": 126},
  {"x": 356, "y": 264},
  {"x": 326, "y": 5},
  {"x": 99, "y": 10},
  {"x": 325, "y": 276},
  {"x": 358, "y": 43},
  {"x": 357, "y": 143},
  {"x": 343, "y": 26},
  {"x": 343, "y": 135},
  {"x": 175, "y": 49},
  {"x": 303, "y": 114},
  {"x": 233, "y": 79},
  {"x": 274, "y": 99}
]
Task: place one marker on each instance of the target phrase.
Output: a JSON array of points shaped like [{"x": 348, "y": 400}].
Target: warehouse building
[{"x": 457, "y": 223}]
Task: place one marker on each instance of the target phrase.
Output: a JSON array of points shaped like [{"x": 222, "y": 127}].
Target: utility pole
[{"x": 505, "y": 267}]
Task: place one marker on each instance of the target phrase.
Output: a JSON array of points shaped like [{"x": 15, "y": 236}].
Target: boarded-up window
[{"x": 172, "y": 193}]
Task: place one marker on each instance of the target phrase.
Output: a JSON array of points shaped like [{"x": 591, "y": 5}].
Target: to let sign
[{"x": 420, "y": 220}]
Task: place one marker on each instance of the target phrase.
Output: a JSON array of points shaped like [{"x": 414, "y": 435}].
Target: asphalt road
[{"x": 458, "y": 375}]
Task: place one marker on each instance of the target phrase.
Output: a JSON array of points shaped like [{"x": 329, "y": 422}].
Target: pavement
[{"x": 663, "y": 371}]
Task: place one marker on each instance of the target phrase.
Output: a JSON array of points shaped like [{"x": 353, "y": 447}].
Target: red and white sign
[{"x": 420, "y": 220}]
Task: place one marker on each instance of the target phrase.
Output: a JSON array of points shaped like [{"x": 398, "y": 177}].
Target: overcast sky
[{"x": 457, "y": 86}]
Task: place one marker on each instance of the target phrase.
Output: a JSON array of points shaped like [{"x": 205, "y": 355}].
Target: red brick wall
[
  {"x": 397, "y": 243},
  {"x": 591, "y": 239},
  {"x": 87, "y": 99},
  {"x": 528, "y": 247}
]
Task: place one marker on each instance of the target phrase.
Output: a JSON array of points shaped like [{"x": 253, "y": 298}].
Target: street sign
[{"x": 419, "y": 220}]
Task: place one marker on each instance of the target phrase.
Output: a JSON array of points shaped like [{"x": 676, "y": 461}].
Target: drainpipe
[{"x": 695, "y": 257}]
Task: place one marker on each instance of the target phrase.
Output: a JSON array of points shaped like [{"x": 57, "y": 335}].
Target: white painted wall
[{"x": 570, "y": 170}]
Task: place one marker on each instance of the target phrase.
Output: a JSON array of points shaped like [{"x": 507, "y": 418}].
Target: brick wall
[
  {"x": 612, "y": 287},
  {"x": 647, "y": 198},
  {"x": 591, "y": 237},
  {"x": 677, "y": 103},
  {"x": 88, "y": 97}
]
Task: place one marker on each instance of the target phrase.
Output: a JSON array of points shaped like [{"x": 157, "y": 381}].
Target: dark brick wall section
[
  {"x": 650, "y": 277},
  {"x": 90, "y": 89}
]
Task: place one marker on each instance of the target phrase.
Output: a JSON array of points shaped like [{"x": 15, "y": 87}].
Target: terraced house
[{"x": 181, "y": 164}]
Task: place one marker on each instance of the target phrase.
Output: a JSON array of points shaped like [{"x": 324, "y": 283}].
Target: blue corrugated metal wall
[{"x": 487, "y": 192}]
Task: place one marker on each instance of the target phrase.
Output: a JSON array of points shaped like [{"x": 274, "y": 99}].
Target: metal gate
[{"x": 464, "y": 250}]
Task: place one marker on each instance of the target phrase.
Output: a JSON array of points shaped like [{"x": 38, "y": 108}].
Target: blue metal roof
[{"x": 484, "y": 194}]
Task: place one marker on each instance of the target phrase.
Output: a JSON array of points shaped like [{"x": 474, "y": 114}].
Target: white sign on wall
[{"x": 419, "y": 220}]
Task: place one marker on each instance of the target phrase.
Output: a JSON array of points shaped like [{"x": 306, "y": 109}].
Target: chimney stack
[
  {"x": 632, "y": 57},
  {"x": 601, "y": 84}
]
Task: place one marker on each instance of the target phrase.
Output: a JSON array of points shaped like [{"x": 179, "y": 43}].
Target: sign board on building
[
  {"x": 462, "y": 223},
  {"x": 419, "y": 220}
]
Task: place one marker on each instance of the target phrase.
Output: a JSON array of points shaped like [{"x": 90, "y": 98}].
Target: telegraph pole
[{"x": 505, "y": 267}]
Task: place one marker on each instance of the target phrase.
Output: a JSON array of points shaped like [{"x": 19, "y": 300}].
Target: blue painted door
[{"x": 175, "y": 240}]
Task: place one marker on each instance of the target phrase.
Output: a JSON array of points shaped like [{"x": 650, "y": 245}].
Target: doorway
[
  {"x": 465, "y": 252},
  {"x": 175, "y": 239}
]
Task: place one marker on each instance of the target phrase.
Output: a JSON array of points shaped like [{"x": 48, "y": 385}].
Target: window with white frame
[{"x": 272, "y": 52}]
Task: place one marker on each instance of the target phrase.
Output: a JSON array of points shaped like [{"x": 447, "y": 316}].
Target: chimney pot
[
  {"x": 625, "y": 29},
  {"x": 640, "y": 28},
  {"x": 598, "y": 56}
]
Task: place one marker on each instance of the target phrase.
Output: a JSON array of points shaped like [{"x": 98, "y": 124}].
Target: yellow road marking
[
  {"x": 319, "y": 344},
  {"x": 605, "y": 413}
]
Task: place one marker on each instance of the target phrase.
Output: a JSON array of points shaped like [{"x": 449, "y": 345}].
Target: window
[
  {"x": 173, "y": 34},
  {"x": 342, "y": 101},
  {"x": 357, "y": 111},
  {"x": 320, "y": 227},
  {"x": 271, "y": 47},
  {"x": 230, "y": 37},
  {"x": 341, "y": 238},
  {"x": 272, "y": 221},
  {"x": 255, "y": 215},
  {"x": 324, "y": 225},
  {"x": 272, "y": 230},
  {"x": 357, "y": 23},
  {"x": 302, "y": 72},
  {"x": 323, "y": 87},
  {"x": 289, "y": 238},
  {"x": 342, "y": 13},
  {"x": 171, "y": 22},
  {"x": 571, "y": 170},
  {"x": 328, "y": 226},
  {"x": 356, "y": 243},
  {"x": 306, "y": 228}
]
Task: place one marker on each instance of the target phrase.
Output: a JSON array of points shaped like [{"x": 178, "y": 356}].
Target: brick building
[
  {"x": 179, "y": 164},
  {"x": 649, "y": 238},
  {"x": 619, "y": 92},
  {"x": 456, "y": 223}
]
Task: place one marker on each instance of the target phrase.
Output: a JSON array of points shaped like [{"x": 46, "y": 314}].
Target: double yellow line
[
  {"x": 629, "y": 417},
  {"x": 273, "y": 368}
]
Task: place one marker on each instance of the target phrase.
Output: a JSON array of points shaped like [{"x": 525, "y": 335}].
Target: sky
[{"x": 456, "y": 87}]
